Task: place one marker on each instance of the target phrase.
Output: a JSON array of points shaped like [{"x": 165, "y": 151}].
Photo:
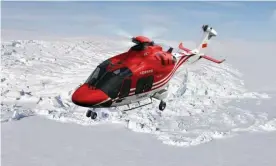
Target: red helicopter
[{"x": 144, "y": 71}]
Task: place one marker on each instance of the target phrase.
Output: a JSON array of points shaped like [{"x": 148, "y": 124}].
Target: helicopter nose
[{"x": 88, "y": 97}]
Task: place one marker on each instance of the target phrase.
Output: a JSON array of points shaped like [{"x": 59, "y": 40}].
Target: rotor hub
[{"x": 141, "y": 39}]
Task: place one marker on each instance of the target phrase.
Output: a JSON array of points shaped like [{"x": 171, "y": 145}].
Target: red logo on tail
[{"x": 204, "y": 45}]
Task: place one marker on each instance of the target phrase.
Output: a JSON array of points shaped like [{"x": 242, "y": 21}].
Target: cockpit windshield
[
  {"x": 109, "y": 81},
  {"x": 100, "y": 70},
  {"x": 93, "y": 77}
]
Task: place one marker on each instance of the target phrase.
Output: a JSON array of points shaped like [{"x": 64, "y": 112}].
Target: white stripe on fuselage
[
  {"x": 103, "y": 101},
  {"x": 138, "y": 97}
]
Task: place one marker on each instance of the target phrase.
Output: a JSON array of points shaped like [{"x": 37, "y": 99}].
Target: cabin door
[
  {"x": 144, "y": 84},
  {"x": 125, "y": 89}
]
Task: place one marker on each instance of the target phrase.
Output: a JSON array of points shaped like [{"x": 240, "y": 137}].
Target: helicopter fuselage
[{"x": 129, "y": 77}]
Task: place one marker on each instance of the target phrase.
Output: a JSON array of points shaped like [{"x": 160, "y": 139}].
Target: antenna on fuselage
[{"x": 170, "y": 50}]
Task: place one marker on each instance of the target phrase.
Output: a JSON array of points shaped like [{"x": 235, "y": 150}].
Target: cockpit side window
[
  {"x": 125, "y": 72},
  {"x": 111, "y": 81}
]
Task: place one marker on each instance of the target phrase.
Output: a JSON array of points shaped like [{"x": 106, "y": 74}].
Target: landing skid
[
  {"x": 93, "y": 114},
  {"x": 137, "y": 106}
]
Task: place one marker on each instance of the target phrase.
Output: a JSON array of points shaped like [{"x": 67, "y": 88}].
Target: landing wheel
[
  {"x": 88, "y": 113},
  {"x": 162, "y": 105},
  {"x": 93, "y": 115}
]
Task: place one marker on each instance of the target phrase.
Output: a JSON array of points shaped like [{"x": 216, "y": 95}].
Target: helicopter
[{"x": 144, "y": 71}]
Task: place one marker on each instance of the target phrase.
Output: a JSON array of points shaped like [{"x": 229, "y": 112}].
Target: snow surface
[
  {"x": 38, "y": 78},
  {"x": 36, "y": 141}
]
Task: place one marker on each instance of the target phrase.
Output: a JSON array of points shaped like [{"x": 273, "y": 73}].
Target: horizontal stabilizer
[
  {"x": 212, "y": 59},
  {"x": 181, "y": 47},
  {"x": 208, "y": 33}
]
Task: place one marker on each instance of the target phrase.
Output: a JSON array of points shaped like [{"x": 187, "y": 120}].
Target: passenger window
[
  {"x": 140, "y": 85},
  {"x": 148, "y": 83},
  {"x": 144, "y": 84}
]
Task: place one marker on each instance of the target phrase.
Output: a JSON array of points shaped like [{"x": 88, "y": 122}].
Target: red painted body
[
  {"x": 153, "y": 60},
  {"x": 87, "y": 96},
  {"x": 149, "y": 59}
]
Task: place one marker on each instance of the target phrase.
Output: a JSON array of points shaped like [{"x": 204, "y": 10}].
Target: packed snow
[{"x": 205, "y": 101}]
